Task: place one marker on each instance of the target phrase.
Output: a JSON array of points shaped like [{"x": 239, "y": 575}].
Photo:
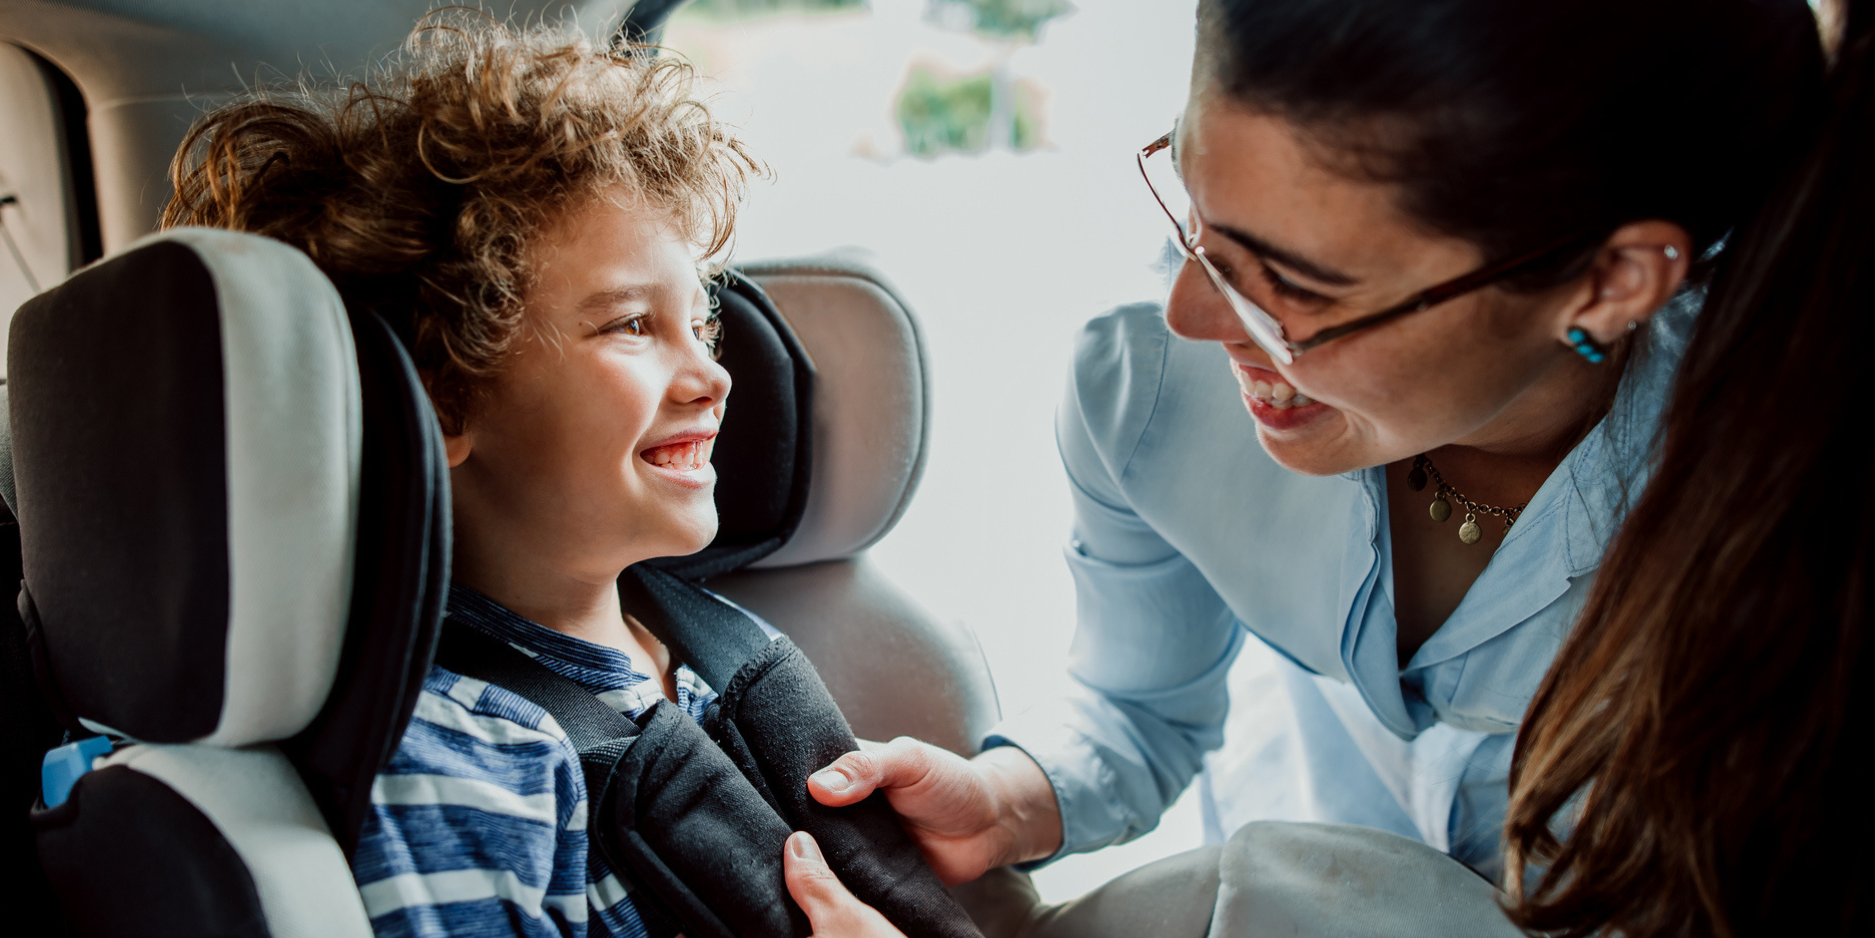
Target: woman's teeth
[
  {"x": 680, "y": 456},
  {"x": 1279, "y": 395}
]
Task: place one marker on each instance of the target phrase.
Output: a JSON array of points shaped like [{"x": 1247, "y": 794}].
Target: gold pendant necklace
[{"x": 1444, "y": 495}]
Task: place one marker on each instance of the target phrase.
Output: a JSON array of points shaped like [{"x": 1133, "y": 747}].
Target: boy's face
[{"x": 590, "y": 450}]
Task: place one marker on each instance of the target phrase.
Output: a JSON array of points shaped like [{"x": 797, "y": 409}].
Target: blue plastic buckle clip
[{"x": 64, "y": 764}]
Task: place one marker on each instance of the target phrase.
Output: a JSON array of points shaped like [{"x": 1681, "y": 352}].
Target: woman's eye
[
  {"x": 710, "y": 333},
  {"x": 1288, "y": 289}
]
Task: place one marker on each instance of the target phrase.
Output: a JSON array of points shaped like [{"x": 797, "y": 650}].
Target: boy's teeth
[{"x": 682, "y": 456}]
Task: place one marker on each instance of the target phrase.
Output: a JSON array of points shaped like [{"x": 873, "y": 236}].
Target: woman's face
[
  {"x": 1317, "y": 248},
  {"x": 590, "y": 450}
]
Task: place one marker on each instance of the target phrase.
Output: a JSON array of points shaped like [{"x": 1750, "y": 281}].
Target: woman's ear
[{"x": 1639, "y": 268}]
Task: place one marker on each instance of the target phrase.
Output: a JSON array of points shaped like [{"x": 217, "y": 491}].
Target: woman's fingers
[
  {"x": 901, "y": 763},
  {"x": 830, "y": 908}
]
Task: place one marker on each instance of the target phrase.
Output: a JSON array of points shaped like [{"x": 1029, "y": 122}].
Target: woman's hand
[
  {"x": 833, "y": 911},
  {"x": 966, "y": 815}
]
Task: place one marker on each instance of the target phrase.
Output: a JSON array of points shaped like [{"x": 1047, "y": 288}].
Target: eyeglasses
[{"x": 1267, "y": 330}]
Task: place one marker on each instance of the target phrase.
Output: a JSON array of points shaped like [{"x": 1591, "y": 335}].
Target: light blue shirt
[{"x": 1190, "y": 542}]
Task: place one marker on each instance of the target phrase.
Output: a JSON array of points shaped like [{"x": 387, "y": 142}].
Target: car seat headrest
[
  {"x": 824, "y": 438},
  {"x": 764, "y": 454},
  {"x": 187, "y": 434},
  {"x": 871, "y": 403}
]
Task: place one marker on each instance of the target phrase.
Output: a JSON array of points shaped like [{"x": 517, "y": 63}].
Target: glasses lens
[{"x": 1162, "y": 175}]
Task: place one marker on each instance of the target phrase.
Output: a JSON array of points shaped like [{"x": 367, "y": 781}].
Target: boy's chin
[{"x": 691, "y": 535}]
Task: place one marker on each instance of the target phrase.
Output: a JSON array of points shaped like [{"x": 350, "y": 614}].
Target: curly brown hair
[{"x": 418, "y": 190}]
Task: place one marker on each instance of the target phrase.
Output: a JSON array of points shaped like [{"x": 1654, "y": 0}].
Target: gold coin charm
[
  {"x": 1440, "y": 509},
  {"x": 1469, "y": 531}
]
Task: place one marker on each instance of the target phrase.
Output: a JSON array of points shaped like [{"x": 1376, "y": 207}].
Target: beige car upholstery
[{"x": 893, "y": 668}]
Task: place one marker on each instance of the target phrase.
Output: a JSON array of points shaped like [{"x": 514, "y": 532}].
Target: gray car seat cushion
[
  {"x": 258, "y": 803},
  {"x": 1270, "y": 878}
]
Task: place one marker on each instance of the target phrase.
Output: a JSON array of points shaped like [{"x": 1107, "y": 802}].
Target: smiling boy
[{"x": 534, "y": 216}]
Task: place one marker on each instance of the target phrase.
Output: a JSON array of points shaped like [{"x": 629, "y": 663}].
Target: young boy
[{"x": 533, "y": 215}]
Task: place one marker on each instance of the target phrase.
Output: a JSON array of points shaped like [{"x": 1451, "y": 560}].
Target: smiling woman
[{"x": 1446, "y": 255}]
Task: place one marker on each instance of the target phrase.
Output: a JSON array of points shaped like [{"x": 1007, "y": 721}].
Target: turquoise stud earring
[{"x": 1586, "y": 346}]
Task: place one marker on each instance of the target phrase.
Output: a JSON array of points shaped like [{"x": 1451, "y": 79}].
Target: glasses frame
[{"x": 1267, "y": 331}]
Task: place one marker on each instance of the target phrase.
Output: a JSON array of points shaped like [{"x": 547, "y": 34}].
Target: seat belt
[{"x": 693, "y": 818}]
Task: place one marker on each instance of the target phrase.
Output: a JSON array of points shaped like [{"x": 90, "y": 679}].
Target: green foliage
[
  {"x": 1008, "y": 19},
  {"x": 939, "y": 115},
  {"x": 738, "y": 9},
  {"x": 953, "y": 115}
]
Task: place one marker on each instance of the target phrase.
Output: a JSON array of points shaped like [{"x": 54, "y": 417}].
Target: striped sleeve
[{"x": 478, "y": 826}]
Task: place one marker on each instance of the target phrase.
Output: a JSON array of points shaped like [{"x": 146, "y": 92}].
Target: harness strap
[
  {"x": 600, "y": 734},
  {"x": 589, "y": 724},
  {"x": 714, "y": 638}
]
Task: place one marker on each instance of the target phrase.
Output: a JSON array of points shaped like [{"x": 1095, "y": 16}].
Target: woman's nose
[{"x": 1195, "y": 310}]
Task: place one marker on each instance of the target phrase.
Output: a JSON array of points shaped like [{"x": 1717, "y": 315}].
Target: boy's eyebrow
[
  {"x": 1302, "y": 265},
  {"x": 616, "y": 296}
]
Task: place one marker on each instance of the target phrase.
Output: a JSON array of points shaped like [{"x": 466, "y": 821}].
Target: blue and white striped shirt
[{"x": 478, "y": 826}]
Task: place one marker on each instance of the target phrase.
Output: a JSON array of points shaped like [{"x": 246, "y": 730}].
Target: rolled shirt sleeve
[{"x": 1154, "y": 641}]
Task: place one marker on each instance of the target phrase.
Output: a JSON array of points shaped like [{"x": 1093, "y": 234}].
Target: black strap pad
[
  {"x": 778, "y": 721},
  {"x": 682, "y": 819}
]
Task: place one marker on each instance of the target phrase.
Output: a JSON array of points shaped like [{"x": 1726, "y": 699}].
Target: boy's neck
[{"x": 584, "y": 608}]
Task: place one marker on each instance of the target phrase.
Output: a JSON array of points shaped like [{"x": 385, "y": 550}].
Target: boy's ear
[
  {"x": 457, "y": 440},
  {"x": 456, "y": 448}
]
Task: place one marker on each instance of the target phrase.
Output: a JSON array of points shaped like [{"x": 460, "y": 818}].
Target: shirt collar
[
  {"x": 1560, "y": 536},
  {"x": 605, "y": 672}
]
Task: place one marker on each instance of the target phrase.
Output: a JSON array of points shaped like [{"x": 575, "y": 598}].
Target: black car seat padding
[
  {"x": 766, "y": 443},
  {"x": 132, "y": 838},
  {"x": 400, "y": 582},
  {"x": 697, "y": 816}
]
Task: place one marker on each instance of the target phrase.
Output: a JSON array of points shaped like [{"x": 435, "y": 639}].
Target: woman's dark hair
[
  {"x": 1690, "y": 764},
  {"x": 1519, "y": 124}
]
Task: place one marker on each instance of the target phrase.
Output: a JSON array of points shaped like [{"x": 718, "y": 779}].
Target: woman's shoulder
[
  {"x": 1136, "y": 390},
  {"x": 1130, "y": 372}
]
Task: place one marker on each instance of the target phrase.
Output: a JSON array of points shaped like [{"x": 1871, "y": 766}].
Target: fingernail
[
  {"x": 803, "y": 847},
  {"x": 833, "y": 780}
]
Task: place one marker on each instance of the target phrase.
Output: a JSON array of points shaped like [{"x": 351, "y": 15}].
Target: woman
[
  {"x": 534, "y": 215},
  {"x": 1687, "y": 767},
  {"x": 1447, "y": 254}
]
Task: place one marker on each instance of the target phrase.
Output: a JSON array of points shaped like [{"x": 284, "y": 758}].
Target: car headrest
[
  {"x": 187, "y": 435},
  {"x": 825, "y": 434},
  {"x": 870, "y": 425}
]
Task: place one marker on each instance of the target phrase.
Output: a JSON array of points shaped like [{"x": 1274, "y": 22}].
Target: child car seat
[{"x": 234, "y": 539}]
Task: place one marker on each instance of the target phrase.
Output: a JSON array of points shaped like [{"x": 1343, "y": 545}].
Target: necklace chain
[{"x": 1468, "y": 532}]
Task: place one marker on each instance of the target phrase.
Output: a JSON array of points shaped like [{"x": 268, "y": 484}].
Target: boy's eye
[
  {"x": 710, "y": 333},
  {"x": 630, "y": 325}
]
